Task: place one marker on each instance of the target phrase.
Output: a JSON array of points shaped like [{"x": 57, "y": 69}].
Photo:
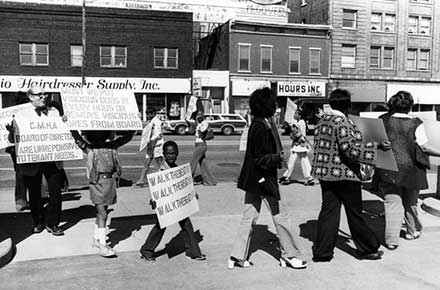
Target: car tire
[
  {"x": 227, "y": 130},
  {"x": 180, "y": 130}
]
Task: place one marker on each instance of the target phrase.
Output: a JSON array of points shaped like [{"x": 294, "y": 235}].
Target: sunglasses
[{"x": 40, "y": 95}]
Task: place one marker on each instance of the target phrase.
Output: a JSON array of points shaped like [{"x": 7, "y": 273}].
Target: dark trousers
[
  {"x": 192, "y": 248},
  {"x": 20, "y": 187},
  {"x": 54, "y": 180},
  {"x": 335, "y": 193}
]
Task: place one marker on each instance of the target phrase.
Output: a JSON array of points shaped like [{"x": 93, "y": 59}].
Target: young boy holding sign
[{"x": 192, "y": 249}]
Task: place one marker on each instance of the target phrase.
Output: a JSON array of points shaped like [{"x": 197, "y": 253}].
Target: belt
[{"x": 105, "y": 175}]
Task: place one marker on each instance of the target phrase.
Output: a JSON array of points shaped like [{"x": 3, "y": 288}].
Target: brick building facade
[
  {"x": 380, "y": 47},
  {"x": 293, "y": 59},
  {"x": 148, "y": 52}
]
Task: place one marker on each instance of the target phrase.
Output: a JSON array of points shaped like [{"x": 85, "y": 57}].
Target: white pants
[{"x": 305, "y": 164}]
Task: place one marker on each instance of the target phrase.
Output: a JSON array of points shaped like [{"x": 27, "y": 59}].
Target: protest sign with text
[
  {"x": 373, "y": 130},
  {"x": 173, "y": 192},
  {"x": 94, "y": 109},
  {"x": 6, "y": 116},
  {"x": 192, "y": 107},
  {"x": 291, "y": 108},
  {"x": 44, "y": 140}
]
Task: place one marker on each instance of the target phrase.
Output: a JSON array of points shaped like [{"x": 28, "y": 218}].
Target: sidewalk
[{"x": 43, "y": 261}]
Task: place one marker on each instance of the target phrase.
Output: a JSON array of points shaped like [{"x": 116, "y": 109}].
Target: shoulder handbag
[
  {"x": 422, "y": 159},
  {"x": 209, "y": 134}
]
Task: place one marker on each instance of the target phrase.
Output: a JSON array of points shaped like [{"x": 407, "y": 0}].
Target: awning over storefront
[
  {"x": 245, "y": 87},
  {"x": 425, "y": 94},
  {"x": 55, "y": 84}
]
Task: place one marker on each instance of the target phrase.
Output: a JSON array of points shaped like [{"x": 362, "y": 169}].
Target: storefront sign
[
  {"x": 244, "y": 87},
  {"x": 92, "y": 109},
  {"x": 43, "y": 140},
  {"x": 422, "y": 93},
  {"x": 174, "y": 194},
  {"x": 204, "y": 11},
  {"x": 56, "y": 84},
  {"x": 301, "y": 88}
]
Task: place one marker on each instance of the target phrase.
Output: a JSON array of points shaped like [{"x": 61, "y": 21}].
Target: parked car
[
  {"x": 310, "y": 109},
  {"x": 220, "y": 123}
]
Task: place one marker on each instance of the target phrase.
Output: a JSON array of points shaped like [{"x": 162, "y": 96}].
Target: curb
[
  {"x": 6, "y": 248},
  {"x": 431, "y": 205}
]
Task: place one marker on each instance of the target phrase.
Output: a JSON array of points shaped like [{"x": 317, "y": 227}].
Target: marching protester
[
  {"x": 300, "y": 148},
  {"x": 338, "y": 150},
  {"x": 192, "y": 249},
  {"x": 258, "y": 178},
  {"x": 401, "y": 188},
  {"x": 103, "y": 168},
  {"x": 154, "y": 138},
  {"x": 32, "y": 172},
  {"x": 199, "y": 156}
]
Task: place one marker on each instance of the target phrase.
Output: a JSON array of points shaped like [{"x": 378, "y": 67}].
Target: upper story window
[
  {"x": 349, "y": 18},
  {"x": 417, "y": 59},
  {"x": 348, "y": 56},
  {"x": 422, "y": 1},
  {"x": 244, "y": 57},
  {"x": 166, "y": 58},
  {"x": 113, "y": 56},
  {"x": 419, "y": 25},
  {"x": 34, "y": 54},
  {"x": 315, "y": 60},
  {"x": 266, "y": 58},
  {"x": 294, "y": 59},
  {"x": 76, "y": 56},
  {"x": 383, "y": 22}
]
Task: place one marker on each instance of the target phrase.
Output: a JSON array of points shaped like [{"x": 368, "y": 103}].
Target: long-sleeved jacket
[{"x": 338, "y": 150}]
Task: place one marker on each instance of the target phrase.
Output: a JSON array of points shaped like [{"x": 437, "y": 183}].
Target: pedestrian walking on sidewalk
[
  {"x": 199, "y": 155},
  {"x": 152, "y": 134},
  {"x": 104, "y": 168},
  {"x": 300, "y": 148},
  {"x": 338, "y": 150},
  {"x": 401, "y": 188},
  {"x": 192, "y": 249},
  {"x": 33, "y": 172},
  {"x": 258, "y": 178}
]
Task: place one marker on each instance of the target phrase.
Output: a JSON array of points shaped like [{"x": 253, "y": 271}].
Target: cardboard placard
[
  {"x": 6, "y": 116},
  {"x": 174, "y": 194},
  {"x": 94, "y": 109},
  {"x": 373, "y": 130},
  {"x": 44, "y": 140}
]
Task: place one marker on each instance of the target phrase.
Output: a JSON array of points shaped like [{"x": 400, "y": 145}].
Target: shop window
[
  {"x": 244, "y": 56},
  {"x": 349, "y": 18},
  {"x": 166, "y": 58},
  {"x": 294, "y": 59},
  {"x": 113, "y": 56},
  {"x": 315, "y": 60},
  {"x": 34, "y": 54},
  {"x": 76, "y": 56},
  {"x": 266, "y": 58},
  {"x": 348, "y": 56}
]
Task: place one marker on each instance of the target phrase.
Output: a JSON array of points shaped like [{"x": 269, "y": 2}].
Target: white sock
[
  {"x": 102, "y": 237},
  {"x": 95, "y": 234}
]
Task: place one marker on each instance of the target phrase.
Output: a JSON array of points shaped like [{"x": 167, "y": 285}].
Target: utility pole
[{"x": 83, "y": 36}]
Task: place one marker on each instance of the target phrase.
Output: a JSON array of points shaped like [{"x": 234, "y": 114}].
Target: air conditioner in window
[{"x": 410, "y": 30}]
